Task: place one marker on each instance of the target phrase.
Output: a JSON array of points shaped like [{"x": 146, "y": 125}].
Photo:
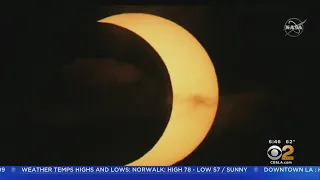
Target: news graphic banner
[{"x": 160, "y": 172}]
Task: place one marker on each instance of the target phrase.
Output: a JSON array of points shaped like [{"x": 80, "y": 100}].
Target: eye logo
[{"x": 275, "y": 153}]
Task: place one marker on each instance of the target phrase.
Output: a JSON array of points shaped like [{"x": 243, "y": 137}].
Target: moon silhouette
[{"x": 194, "y": 85}]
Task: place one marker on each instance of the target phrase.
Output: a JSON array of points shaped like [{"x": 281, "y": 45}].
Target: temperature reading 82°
[
  {"x": 290, "y": 141},
  {"x": 2, "y": 169}
]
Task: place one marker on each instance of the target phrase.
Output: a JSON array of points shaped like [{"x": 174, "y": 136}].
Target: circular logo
[
  {"x": 294, "y": 27},
  {"x": 274, "y": 152}
]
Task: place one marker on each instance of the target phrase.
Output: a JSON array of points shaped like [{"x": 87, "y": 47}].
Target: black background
[{"x": 266, "y": 86}]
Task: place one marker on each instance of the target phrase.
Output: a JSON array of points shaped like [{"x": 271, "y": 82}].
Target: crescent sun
[{"x": 194, "y": 85}]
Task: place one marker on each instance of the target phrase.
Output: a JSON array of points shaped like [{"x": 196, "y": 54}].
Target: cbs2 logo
[{"x": 275, "y": 152}]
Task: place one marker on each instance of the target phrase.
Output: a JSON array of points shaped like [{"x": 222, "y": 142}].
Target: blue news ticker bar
[
  {"x": 157, "y": 169},
  {"x": 160, "y": 172}
]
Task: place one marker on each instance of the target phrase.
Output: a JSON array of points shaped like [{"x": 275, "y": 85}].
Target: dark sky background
[{"x": 78, "y": 92}]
